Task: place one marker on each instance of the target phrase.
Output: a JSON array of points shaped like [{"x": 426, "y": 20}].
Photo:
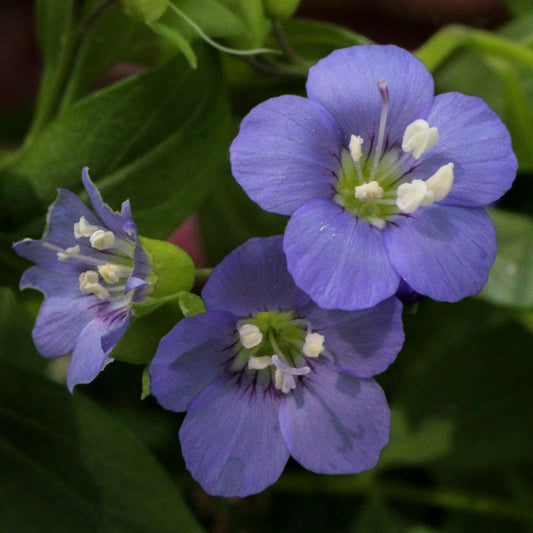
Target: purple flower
[
  {"x": 383, "y": 181},
  {"x": 265, "y": 373},
  {"x": 91, "y": 267}
]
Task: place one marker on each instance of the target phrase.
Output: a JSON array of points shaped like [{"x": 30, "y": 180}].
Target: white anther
[
  {"x": 250, "y": 335},
  {"x": 441, "y": 182},
  {"x": 284, "y": 374},
  {"x": 83, "y": 228},
  {"x": 369, "y": 191},
  {"x": 111, "y": 273},
  {"x": 89, "y": 284},
  {"x": 313, "y": 345},
  {"x": 102, "y": 240},
  {"x": 259, "y": 363},
  {"x": 419, "y": 138},
  {"x": 73, "y": 250},
  {"x": 355, "y": 147},
  {"x": 410, "y": 196}
]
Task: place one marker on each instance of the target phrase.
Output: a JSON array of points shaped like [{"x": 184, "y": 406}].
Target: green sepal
[
  {"x": 172, "y": 272},
  {"x": 145, "y": 10},
  {"x": 191, "y": 304},
  {"x": 145, "y": 382}
]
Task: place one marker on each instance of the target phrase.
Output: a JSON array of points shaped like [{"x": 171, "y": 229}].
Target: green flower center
[{"x": 276, "y": 346}]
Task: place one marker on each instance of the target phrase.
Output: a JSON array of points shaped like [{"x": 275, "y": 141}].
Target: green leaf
[
  {"x": 139, "y": 344},
  {"x": 409, "y": 446},
  {"x": 511, "y": 277},
  {"x": 243, "y": 219},
  {"x": 518, "y": 7},
  {"x": 244, "y": 24},
  {"x": 66, "y": 465},
  {"x": 159, "y": 139},
  {"x": 466, "y": 364},
  {"x": 16, "y": 323}
]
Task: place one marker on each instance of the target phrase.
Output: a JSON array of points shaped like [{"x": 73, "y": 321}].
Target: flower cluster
[
  {"x": 91, "y": 267},
  {"x": 384, "y": 182},
  {"x": 385, "y": 185}
]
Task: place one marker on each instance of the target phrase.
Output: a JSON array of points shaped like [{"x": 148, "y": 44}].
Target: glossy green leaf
[
  {"x": 66, "y": 465},
  {"x": 511, "y": 277},
  {"x": 159, "y": 139}
]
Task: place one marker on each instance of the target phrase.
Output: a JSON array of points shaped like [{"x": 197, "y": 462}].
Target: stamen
[
  {"x": 83, "y": 228},
  {"x": 250, "y": 335},
  {"x": 102, "y": 240},
  {"x": 89, "y": 284},
  {"x": 69, "y": 252},
  {"x": 259, "y": 363},
  {"x": 384, "y": 93},
  {"x": 410, "y": 196},
  {"x": 419, "y": 138},
  {"x": 111, "y": 273},
  {"x": 441, "y": 182},
  {"x": 284, "y": 374},
  {"x": 355, "y": 148},
  {"x": 369, "y": 191},
  {"x": 313, "y": 345}
]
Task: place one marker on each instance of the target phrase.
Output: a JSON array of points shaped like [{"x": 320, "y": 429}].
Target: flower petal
[
  {"x": 475, "y": 140},
  {"x": 345, "y": 82},
  {"x": 231, "y": 440},
  {"x": 337, "y": 259},
  {"x": 253, "y": 278},
  {"x": 362, "y": 343},
  {"x": 443, "y": 252},
  {"x": 286, "y": 152},
  {"x": 120, "y": 224},
  {"x": 190, "y": 357},
  {"x": 336, "y": 423},
  {"x": 59, "y": 323},
  {"x": 88, "y": 359},
  {"x": 61, "y": 280}
]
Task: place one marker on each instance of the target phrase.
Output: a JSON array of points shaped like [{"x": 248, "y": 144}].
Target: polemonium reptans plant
[
  {"x": 385, "y": 183},
  {"x": 281, "y": 363},
  {"x": 266, "y": 374}
]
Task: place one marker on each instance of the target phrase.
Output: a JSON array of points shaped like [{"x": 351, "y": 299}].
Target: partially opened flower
[
  {"x": 385, "y": 182},
  {"x": 92, "y": 269},
  {"x": 266, "y": 374}
]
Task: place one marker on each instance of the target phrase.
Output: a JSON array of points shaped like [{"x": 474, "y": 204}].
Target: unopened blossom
[
  {"x": 385, "y": 183},
  {"x": 266, "y": 374},
  {"x": 91, "y": 268}
]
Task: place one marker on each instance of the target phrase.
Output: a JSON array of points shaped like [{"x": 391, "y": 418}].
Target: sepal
[{"x": 172, "y": 271}]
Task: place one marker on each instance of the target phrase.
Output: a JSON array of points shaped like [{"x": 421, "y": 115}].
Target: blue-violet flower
[
  {"x": 91, "y": 268},
  {"x": 266, "y": 374},
  {"x": 384, "y": 182}
]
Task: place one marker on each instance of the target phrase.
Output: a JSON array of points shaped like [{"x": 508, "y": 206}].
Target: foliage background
[{"x": 459, "y": 458}]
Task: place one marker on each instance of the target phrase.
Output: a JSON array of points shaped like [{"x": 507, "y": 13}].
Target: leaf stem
[{"x": 447, "y": 41}]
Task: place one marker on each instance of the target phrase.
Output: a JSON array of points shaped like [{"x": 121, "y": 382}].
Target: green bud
[
  {"x": 145, "y": 10},
  {"x": 172, "y": 269},
  {"x": 282, "y": 9}
]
